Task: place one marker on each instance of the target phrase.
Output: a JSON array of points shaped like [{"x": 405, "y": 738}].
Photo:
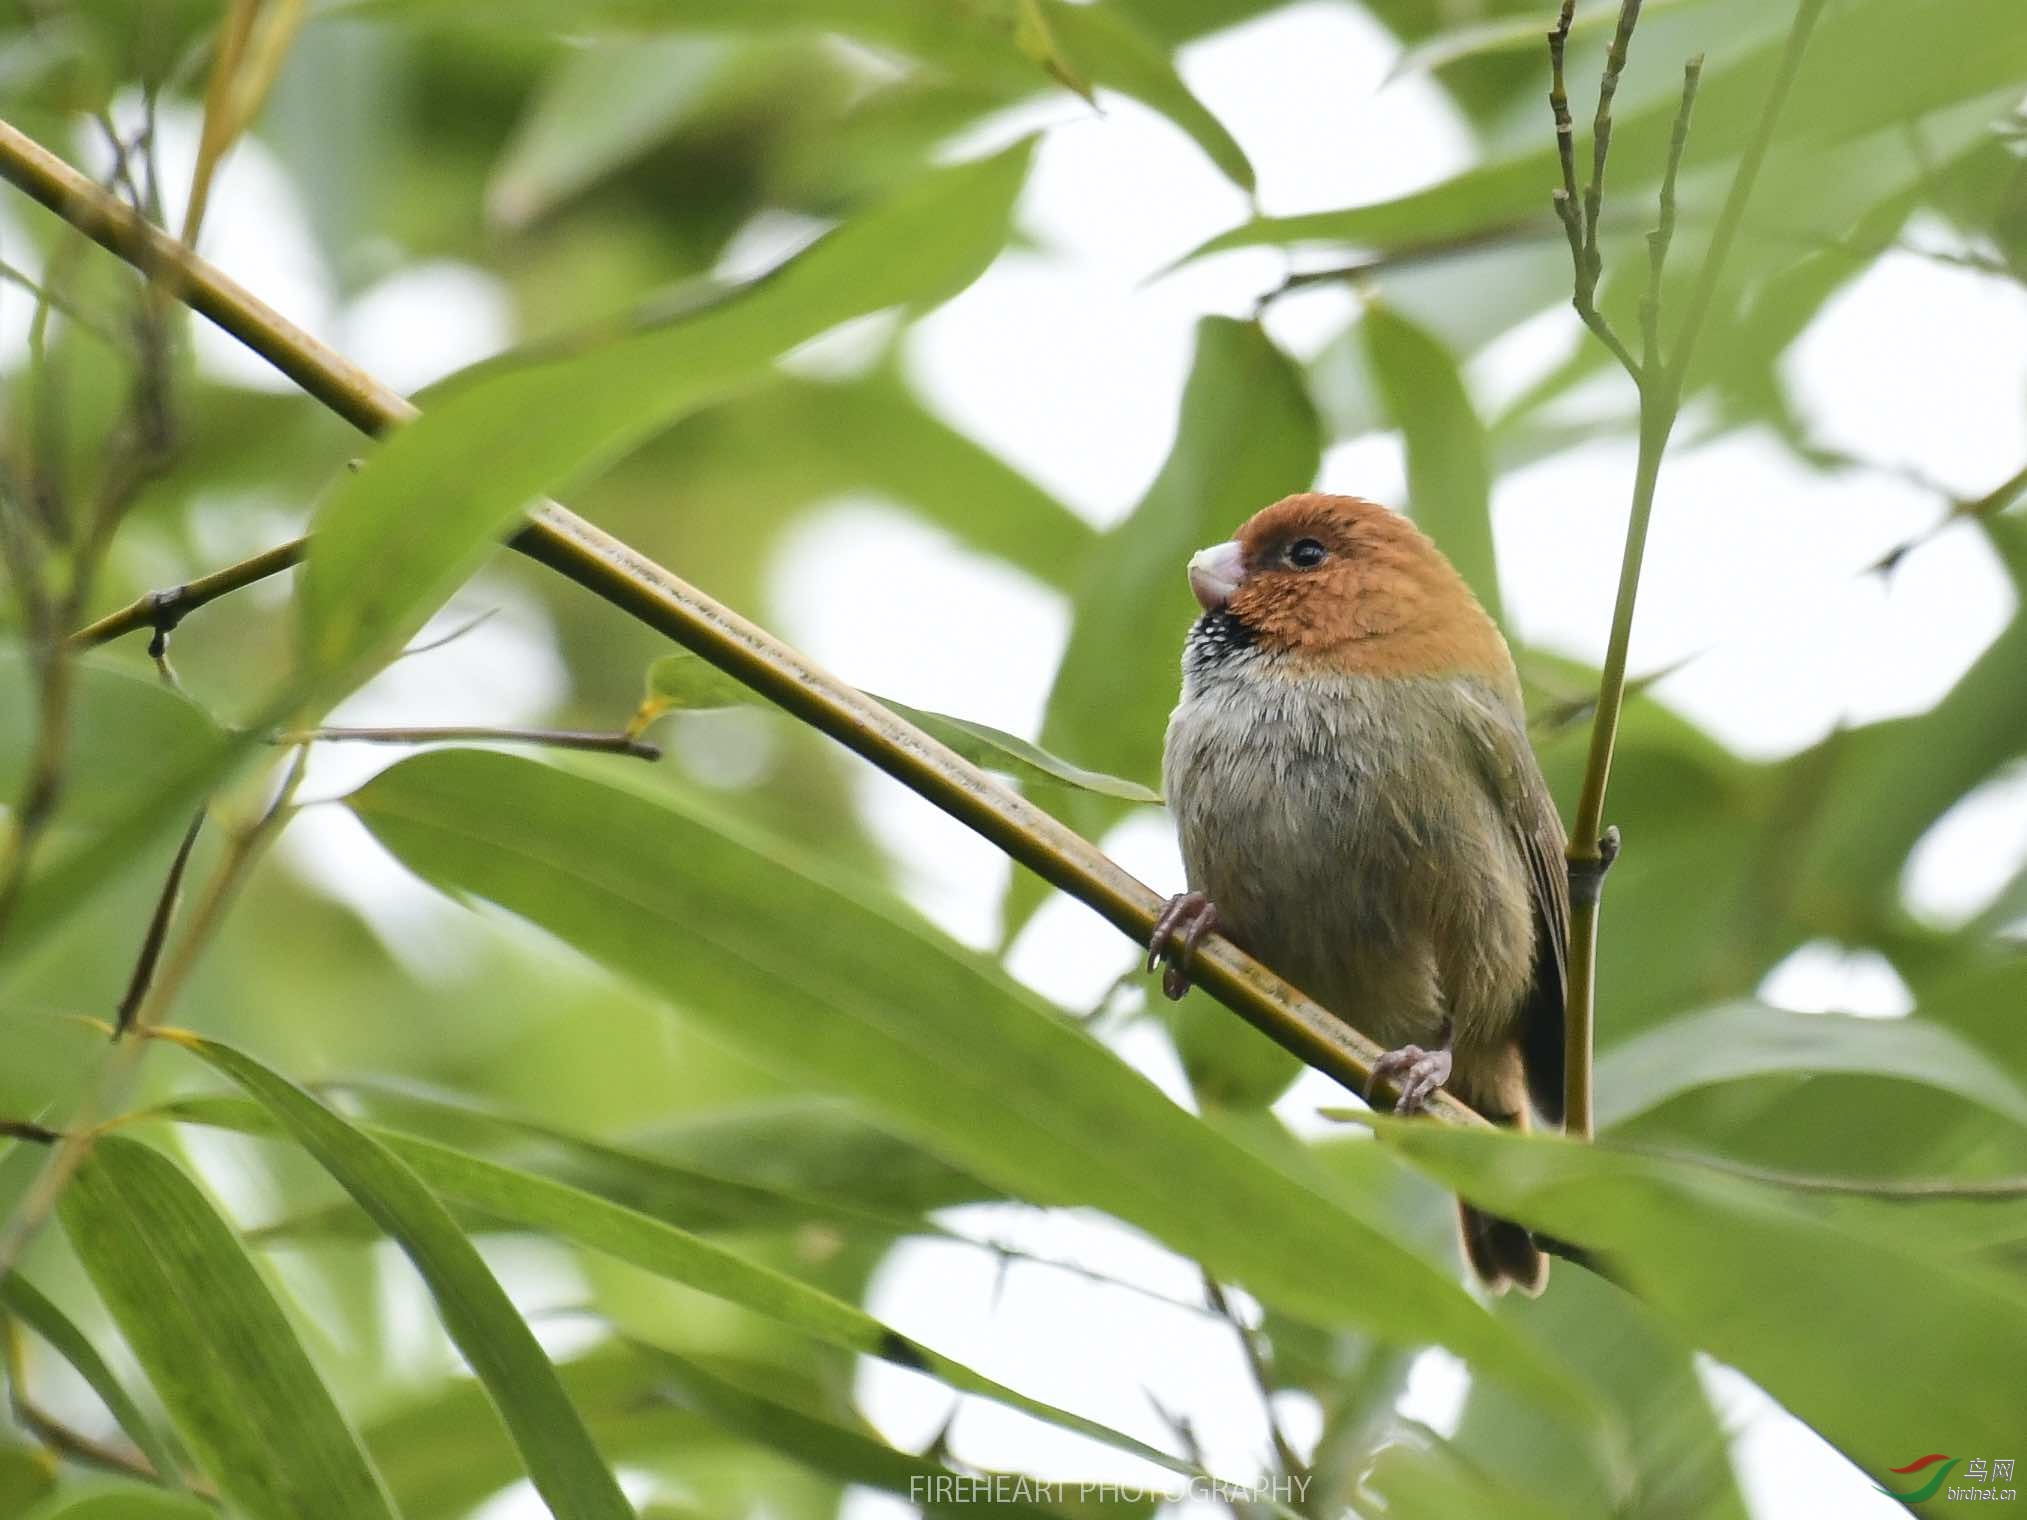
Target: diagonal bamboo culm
[{"x": 627, "y": 579}]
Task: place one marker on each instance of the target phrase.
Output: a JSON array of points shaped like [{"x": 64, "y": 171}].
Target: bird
[{"x": 1359, "y": 807}]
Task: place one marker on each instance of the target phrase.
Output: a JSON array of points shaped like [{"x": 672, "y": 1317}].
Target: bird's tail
[{"x": 1501, "y": 1252}]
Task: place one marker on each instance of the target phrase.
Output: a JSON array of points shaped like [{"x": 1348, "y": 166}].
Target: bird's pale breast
[{"x": 1344, "y": 827}]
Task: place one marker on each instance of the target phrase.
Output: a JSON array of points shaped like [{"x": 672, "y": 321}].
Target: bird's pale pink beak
[{"x": 1215, "y": 573}]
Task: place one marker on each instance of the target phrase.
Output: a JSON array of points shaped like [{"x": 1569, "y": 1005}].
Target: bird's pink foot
[
  {"x": 1416, "y": 1073},
  {"x": 1188, "y": 917}
]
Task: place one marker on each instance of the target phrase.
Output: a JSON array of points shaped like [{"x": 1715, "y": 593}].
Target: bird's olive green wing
[
  {"x": 1541, "y": 1035},
  {"x": 1516, "y": 778}
]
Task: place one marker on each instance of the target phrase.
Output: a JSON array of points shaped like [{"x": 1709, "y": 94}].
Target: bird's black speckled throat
[{"x": 1213, "y": 639}]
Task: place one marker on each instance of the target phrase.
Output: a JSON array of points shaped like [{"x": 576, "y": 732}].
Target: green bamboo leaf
[
  {"x": 49, "y": 1058},
  {"x": 757, "y": 1166},
  {"x": 26, "y": 1302},
  {"x": 842, "y": 989},
  {"x": 1644, "y": 1370},
  {"x": 808, "y": 1144},
  {"x": 1035, "y": 36},
  {"x": 1811, "y": 1308},
  {"x": 1003, "y": 45},
  {"x": 136, "y": 842},
  {"x": 1449, "y": 462},
  {"x": 553, "y": 1208},
  {"x": 694, "y": 1199},
  {"x": 685, "y": 683},
  {"x": 27, "y": 1475},
  {"x": 834, "y": 1450},
  {"x": 1853, "y": 82},
  {"x": 1515, "y": 34},
  {"x": 556, "y": 1209},
  {"x": 212, "y": 1340},
  {"x": 1980, "y": 996},
  {"x": 139, "y": 762},
  {"x": 795, "y": 442},
  {"x": 1741, "y": 1040},
  {"x": 697, "y": 1197},
  {"x": 394, "y": 539},
  {"x": 996, "y": 749},
  {"x": 1106, "y": 44},
  {"x": 444, "y": 1451},
  {"x": 564, "y": 1466},
  {"x": 127, "y": 1502},
  {"x": 1425, "y": 1477},
  {"x": 122, "y": 723},
  {"x": 599, "y": 109},
  {"x": 977, "y": 43},
  {"x": 1892, "y": 780}
]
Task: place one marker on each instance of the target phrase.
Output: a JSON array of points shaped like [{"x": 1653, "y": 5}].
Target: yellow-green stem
[
  {"x": 1657, "y": 422},
  {"x": 162, "y": 610},
  {"x": 1661, "y": 390}
]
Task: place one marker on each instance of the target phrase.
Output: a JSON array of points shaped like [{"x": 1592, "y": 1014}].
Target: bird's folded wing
[{"x": 1512, "y": 771}]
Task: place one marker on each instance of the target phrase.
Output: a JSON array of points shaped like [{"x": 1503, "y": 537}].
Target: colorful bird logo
[{"x": 1927, "y": 1490}]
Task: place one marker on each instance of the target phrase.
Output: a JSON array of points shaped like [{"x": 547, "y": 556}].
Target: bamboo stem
[
  {"x": 163, "y": 610},
  {"x": 1592, "y": 847}
]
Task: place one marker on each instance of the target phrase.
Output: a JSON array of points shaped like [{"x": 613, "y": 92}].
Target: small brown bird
[{"x": 1359, "y": 807}]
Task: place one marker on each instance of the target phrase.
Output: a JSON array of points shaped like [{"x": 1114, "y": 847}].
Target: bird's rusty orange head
[{"x": 1344, "y": 584}]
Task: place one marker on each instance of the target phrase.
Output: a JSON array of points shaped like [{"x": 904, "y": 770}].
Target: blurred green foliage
[{"x": 757, "y": 1068}]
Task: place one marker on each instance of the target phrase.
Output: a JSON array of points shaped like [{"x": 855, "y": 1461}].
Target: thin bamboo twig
[
  {"x": 1601, "y": 135},
  {"x": 158, "y": 931},
  {"x": 1511, "y": 234},
  {"x": 70, "y": 310},
  {"x": 61, "y": 1440},
  {"x": 163, "y": 610},
  {"x": 1995, "y": 500},
  {"x": 1990, "y": 504},
  {"x": 552, "y": 738},
  {"x": 469, "y": 625},
  {"x": 1664, "y": 230},
  {"x": 1411, "y": 255},
  {"x": 64, "y": 1441},
  {"x": 1256, "y": 1368},
  {"x": 1579, "y": 213},
  {"x": 1565, "y": 125},
  {"x": 628, "y": 580},
  {"x": 122, "y": 172}
]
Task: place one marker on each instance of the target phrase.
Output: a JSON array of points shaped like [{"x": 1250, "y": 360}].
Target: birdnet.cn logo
[{"x": 1926, "y": 1477}]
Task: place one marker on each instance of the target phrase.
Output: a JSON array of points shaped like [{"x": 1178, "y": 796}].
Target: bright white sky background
[{"x": 1068, "y": 365}]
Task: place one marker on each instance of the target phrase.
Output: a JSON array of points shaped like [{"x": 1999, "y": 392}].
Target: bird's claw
[
  {"x": 1415, "y": 1073},
  {"x": 1188, "y": 917}
]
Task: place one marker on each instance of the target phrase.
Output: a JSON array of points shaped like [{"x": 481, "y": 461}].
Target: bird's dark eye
[{"x": 1306, "y": 554}]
